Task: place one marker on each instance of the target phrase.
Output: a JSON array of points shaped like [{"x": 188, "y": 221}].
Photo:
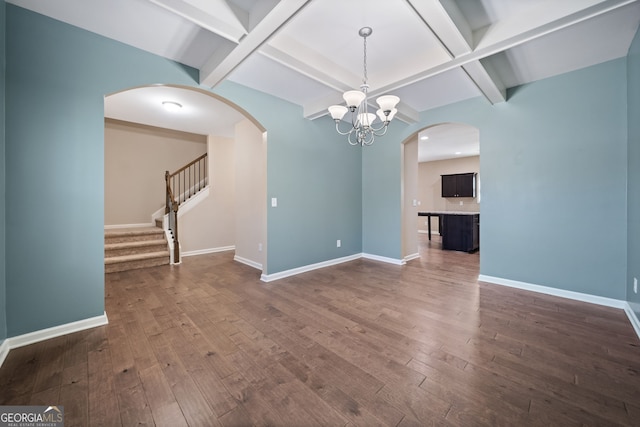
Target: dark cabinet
[
  {"x": 460, "y": 232},
  {"x": 459, "y": 185}
]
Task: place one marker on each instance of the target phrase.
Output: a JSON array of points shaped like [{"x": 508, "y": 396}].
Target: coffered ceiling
[{"x": 428, "y": 52}]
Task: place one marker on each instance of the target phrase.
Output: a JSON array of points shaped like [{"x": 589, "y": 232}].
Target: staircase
[{"x": 129, "y": 249}]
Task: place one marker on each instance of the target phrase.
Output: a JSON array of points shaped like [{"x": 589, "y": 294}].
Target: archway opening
[
  {"x": 429, "y": 155},
  {"x": 143, "y": 140}
]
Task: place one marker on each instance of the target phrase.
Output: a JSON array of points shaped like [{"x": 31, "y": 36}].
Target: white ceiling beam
[
  {"x": 310, "y": 68},
  {"x": 217, "y": 67},
  {"x": 448, "y": 25},
  {"x": 213, "y": 15},
  {"x": 453, "y": 31},
  {"x": 511, "y": 40},
  {"x": 407, "y": 114},
  {"x": 455, "y": 35},
  {"x": 487, "y": 81},
  {"x": 304, "y": 62},
  {"x": 335, "y": 81}
]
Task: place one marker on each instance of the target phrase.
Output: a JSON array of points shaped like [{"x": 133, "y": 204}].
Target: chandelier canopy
[{"x": 363, "y": 129}]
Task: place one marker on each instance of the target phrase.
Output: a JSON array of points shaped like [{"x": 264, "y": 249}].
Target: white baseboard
[
  {"x": 577, "y": 296},
  {"x": 435, "y": 233},
  {"x": 335, "y": 261},
  {"x": 208, "y": 251},
  {"x": 633, "y": 318},
  {"x": 384, "y": 259},
  {"x": 4, "y": 351},
  {"x": 305, "y": 268},
  {"x": 248, "y": 262},
  {"x": 411, "y": 257},
  {"x": 53, "y": 332}
]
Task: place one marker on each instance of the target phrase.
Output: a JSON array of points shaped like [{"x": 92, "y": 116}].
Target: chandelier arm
[
  {"x": 367, "y": 138},
  {"x": 350, "y": 141},
  {"x": 381, "y": 131},
  {"x": 382, "y": 127},
  {"x": 362, "y": 131},
  {"x": 343, "y": 133}
]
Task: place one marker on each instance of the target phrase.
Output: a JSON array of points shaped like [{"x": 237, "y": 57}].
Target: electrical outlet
[
  {"x": 259, "y": 247},
  {"x": 635, "y": 285},
  {"x": 461, "y": 203},
  {"x": 338, "y": 243}
]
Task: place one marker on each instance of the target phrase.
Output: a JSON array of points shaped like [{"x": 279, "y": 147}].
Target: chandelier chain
[{"x": 364, "y": 81}]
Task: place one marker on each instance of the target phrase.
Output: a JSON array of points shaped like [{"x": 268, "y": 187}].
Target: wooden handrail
[{"x": 204, "y": 156}]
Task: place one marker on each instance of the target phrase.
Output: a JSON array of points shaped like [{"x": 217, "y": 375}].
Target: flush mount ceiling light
[
  {"x": 363, "y": 131},
  {"x": 171, "y": 106}
]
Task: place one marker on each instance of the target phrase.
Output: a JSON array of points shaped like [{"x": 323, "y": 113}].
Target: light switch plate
[{"x": 274, "y": 202}]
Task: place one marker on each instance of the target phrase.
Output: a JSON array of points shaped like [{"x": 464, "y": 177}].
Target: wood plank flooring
[{"x": 359, "y": 344}]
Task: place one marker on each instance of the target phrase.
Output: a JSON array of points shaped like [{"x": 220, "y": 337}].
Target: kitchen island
[{"x": 460, "y": 231}]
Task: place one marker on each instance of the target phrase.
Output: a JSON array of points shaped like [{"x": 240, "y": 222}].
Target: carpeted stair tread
[
  {"x": 134, "y": 248},
  {"x": 135, "y": 244},
  {"x": 136, "y": 257},
  {"x": 133, "y": 234}
]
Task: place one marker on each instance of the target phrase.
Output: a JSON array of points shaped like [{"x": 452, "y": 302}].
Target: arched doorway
[
  {"x": 143, "y": 140},
  {"x": 440, "y": 149}
]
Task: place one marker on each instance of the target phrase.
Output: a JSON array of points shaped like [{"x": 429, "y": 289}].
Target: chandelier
[{"x": 363, "y": 130}]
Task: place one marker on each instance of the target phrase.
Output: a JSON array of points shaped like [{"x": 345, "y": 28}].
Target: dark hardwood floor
[{"x": 362, "y": 343}]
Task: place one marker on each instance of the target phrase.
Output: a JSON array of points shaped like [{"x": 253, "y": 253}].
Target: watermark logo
[{"x": 31, "y": 416}]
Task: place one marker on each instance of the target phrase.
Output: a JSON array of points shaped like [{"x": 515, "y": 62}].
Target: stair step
[
  {"x": 134, "y": 261},
  {"x": 134, "y": 247},
  {"x": 130, "y": 235}
]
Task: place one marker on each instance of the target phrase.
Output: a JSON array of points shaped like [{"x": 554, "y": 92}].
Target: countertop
[{"x": 447, "y": 213}]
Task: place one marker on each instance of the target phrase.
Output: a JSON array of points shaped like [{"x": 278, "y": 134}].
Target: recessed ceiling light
[
  {"x": 424, "y": 137},
  {"x": 171, "y": 106}
]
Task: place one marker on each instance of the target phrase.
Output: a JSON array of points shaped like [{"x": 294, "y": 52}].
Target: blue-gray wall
[
  {"x": 553, "y": 165},
  {"x": 633, "y": 184},
  {"x": 3, "y": 303},
  {"x": 381, "y": 195},
  {"x": 554, "y": 172},
  {"x": 314, "y": 174},
  {"x": 57, "y": 76}
]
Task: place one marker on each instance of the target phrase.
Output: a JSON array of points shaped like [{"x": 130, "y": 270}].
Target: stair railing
[
  {"x": 171, "y": 209},
  {"x": 180, "y": 186},
  {"x": 189, "y": 179}
]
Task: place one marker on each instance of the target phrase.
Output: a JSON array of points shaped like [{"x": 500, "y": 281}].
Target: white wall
[
  {"x": 251, "y": 195},
  {"x": 210, "y": 224},
  {"x": 135, "y": 160},
  {"x": 410, "y": 193}
]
